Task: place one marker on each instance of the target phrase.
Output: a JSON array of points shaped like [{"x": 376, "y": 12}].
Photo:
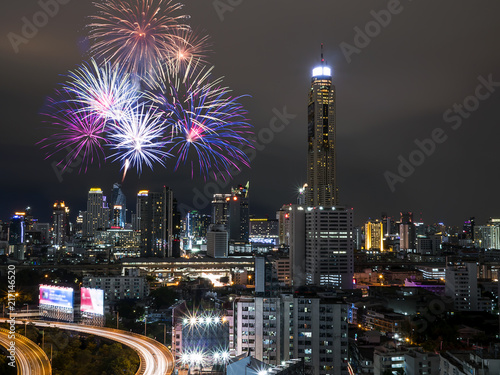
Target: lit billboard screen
[
  {"x": 92, "y": 301},
  {"x": 56, "y": 296}
]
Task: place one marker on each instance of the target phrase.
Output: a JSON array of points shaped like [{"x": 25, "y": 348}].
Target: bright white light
[
  {"x": 263, "y": 372},
  {"x": 322, "y": 71}
]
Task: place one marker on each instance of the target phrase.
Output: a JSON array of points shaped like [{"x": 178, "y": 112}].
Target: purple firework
[
  {"x": 206, "y": 124},
  {"x": 80, "y": 134}
]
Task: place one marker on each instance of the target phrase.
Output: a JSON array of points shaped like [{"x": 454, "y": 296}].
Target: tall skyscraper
[
  {"x": 321, "y": 155},
  {"x": 220, "y": 204},
  {"x": 159, "y": 223},
  {"x": 17, "y": 232},
  {"x": 118, "y": 207},
  {"x": 407, "y": 236},
  {"x": 97, "y": 214},
  {"x": 232, "y": 211},
  {"x": 60, "y": 224}
]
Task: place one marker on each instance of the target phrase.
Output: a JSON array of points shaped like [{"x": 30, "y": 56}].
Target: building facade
[{"x": 321, "y": 154}]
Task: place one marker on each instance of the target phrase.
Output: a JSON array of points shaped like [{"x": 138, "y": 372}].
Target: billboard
[
  {"x": 56, "y": 296},
  {"x": 92, "y": 301}
]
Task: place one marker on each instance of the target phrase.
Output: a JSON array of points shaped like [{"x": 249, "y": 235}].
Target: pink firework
[{"x": 135, "y": 34}]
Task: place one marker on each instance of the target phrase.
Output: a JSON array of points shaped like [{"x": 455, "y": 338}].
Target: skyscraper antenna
[{"x": 322, "y": 59}]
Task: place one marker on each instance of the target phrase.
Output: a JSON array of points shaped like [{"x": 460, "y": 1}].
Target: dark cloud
[{"x": 394, "y": 91}]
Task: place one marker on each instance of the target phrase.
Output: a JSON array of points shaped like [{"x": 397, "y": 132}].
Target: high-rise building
[
  {"x": 461, "y": 285},
  {"x": 329, "y": 250},
  {"x": 308, "y": 326},
  {"x": 232, "y": 211},
  {"x": 97, "y": 214},
  {"x": 217, "y": 241},
  {"x": 220, "y": 204},
  {"x": 321, "y": 155},
  {"x": 159, "y": 223},
  {"x": 17, "y": 233},
  {"x": 238, "y": 215},
  {"x": 407, "y": 233},
  {"x": 487, "y": 236},
  {"x": 60, "y": 224},
  {"x": 374, "y": 235},
  {"x": 264, "y": 230},
  {"x": 118, "y": 206}
]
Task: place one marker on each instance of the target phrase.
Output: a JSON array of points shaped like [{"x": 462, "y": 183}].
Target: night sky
[{"x": 395, "y": 90}]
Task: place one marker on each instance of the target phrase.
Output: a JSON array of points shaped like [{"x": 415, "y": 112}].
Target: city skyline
[{"x": 374, "y": 107}]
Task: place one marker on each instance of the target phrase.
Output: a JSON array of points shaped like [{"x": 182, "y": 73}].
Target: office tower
[
  {"x": 17, "y": 230},
  {"x": 321, "y": 155},
  {"x": 266, "y": 278},
  {"x": 487, "y": 236},
  {"x": 60, "y": 224},
  {"x": 407, "y": 233},
  {"x": 468, "y": 228},
  {"x": 283, "y": 217},
  {"x": 238, "y": 216},
  {"x": 118, "y": 206},
  {"x": 329, "y": 246},
  {"x": 232, "y": 211},
  {"x": 217, "y": 241},
  {"x": 220, "y": 203},
  {"x": 28, "y": 219},
  {"x": 117, "y": 216},
  {"x": 159, "y": 223},
  {"x": 97, "y": 214},
  {"x": 264, "y": 230},
  {"x": 197, "y": 225},
  {"x": 461, "y": 285},
  {"x": 374, "y": 235},
  {"x": 295, "y": 218}
]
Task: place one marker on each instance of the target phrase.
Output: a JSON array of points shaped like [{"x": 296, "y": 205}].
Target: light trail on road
[{"x": 30, "y": 358}]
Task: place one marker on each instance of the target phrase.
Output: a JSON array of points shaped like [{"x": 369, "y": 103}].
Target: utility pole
[
  {"x": 117, "y": 319},
  {"x": 145, "y": 324},
  {"x": 43, "y": 340}
]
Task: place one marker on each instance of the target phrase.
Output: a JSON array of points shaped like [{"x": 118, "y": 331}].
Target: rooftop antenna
[{"x": 322, "y": 59}]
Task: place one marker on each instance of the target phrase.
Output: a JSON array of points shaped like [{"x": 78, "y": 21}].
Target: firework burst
[
  {"x": 104, "y": 91},
  {"x": 79, "y": 133},
  {"x": 188, "y": 45},
  {"x": 205, "y": 122},
  {"x": 136, "y": 34},
  {"x": 137, "y": 138}
]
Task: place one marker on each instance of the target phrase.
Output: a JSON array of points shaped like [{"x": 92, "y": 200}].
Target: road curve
[
  {"x": 155, "y": 358},
  {"x": 30, "y": 358}
]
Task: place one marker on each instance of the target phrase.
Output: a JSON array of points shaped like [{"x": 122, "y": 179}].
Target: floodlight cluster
[{"x": 202, "y": 358}]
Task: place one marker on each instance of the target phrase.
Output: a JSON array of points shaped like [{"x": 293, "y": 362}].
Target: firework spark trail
[
  {"x": 105, "y": 91},
  {"x": 188, "y": 45},
  {"x": 137, "y": 138},
  {"x": 135, "y": 34},
  {"x": 203, "y": 117},
  {"x": 79, "y": 132}
]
